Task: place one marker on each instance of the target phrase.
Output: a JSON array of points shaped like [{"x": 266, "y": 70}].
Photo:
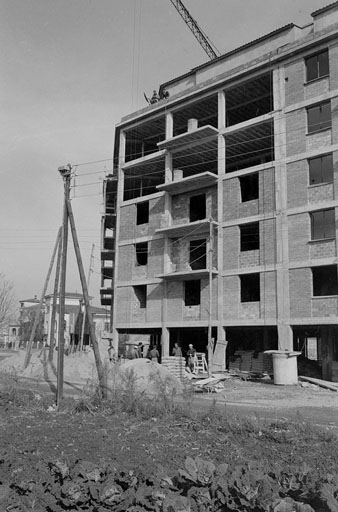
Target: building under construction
[{"x": 220, "y": 214}]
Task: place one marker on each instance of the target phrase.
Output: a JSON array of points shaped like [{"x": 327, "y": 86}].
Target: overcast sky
[{"x": 70, "y": 70}]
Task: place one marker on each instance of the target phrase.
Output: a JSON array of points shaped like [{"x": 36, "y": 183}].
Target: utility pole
[
  {"x": 55, "y": 297},
  {"x": 91, "y": 263},
  {"x": 66, "y": 174},
  {"x": 42, "y": 298},
  {"x": 210, "y": 339},
  {"x": 99, "y": 366}
]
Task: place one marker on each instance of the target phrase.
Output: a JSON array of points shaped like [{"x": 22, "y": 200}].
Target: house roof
[
  {"x": 34, "y": 301},
  {"x": 323, "y": 9},
  {"x": 70, "y": 295}
]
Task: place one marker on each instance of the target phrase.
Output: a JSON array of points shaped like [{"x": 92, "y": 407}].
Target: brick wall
[
  {"x": 154, "y": 302},
  {"x": 205, "y": 299},
  {"x": 333, "y": 66},
  {"x": 334, "y": 117},
  {"x": 267, "y": 191},
  {"x": 231, "y": 198},
  {"x": 175, "y": 301},
  {"x": 179, "y": 255},
  {"x": 249, "y": 258},
  {"x": 299, "y": 236},
  {"x": 294, "y": 82},
  {"x": 268, "y": 295},
  {"x": 156, "y": 210},
  {"x": 155, "y": 257},
  {"x": 180, "y": 205},
  {"x": 300, "y": 292},
  {"x": 319, "y": 139},
  {"x": 249, "y": 310},
  {"x": 297, "y": 183},
  {"x": 126, "y": 262},
  {"x": 125, "y": 300},
  {"x": 316, "y": 88},
  {"x": 231, "y": 297},
  {"x": 323, "y": 249},
  {"x": 295, "y": 132},
  {"x": 320, "y": 193},
  {"x": 231, "y": 241},
  {"x": 127, "y": 222},
  {"x": 324, "y": 306},
  {"x": 267, "y": 240},
  {"x": 335, "y": 172}
]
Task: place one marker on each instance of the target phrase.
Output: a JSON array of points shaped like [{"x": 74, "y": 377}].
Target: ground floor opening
[
  {"x": 145, "y": 338},
  {"x": 196, "y": 336},
  {"x": 319, "y": 347}
]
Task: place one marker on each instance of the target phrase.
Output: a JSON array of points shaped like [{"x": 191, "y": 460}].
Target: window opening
[
  {"x": 192, "y": 293},
  {"x": 250, "y": 236},
  {"x": 141, "y": 295},
  {"x": 321, "y": 169},
  {"x": 142, "y": 183},
  {"x": 250, "y": 288},
  {"x": 319, "y": 117},
  {"x": 249, "y": 187},
  {"x": 142, "y": 253},
  {"x": 317, "y": 66},
  {"x": 197, "y": 207},
  {"x": 323, "y": 224},
  {"x": 198, "y": 254},
  {"x": 324, "y": 280},
  {"x": 142, "y": 213}
]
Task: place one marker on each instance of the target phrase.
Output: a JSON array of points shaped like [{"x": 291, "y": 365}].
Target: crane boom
[{"x": 195, "y": 29}]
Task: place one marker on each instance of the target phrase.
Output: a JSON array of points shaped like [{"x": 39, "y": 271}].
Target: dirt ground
[{"x": 233, "y": 427}]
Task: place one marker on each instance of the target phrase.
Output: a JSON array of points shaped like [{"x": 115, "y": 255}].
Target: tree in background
[
  {"x": 26, "y": 324},
  {"x": 8, "y": 303}
]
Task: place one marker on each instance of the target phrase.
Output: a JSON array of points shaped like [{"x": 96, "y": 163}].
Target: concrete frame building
[{"x": 225, "y": 202}]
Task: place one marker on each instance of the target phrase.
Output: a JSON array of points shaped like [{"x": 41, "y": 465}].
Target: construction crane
[{"x": 195, "y": 29}]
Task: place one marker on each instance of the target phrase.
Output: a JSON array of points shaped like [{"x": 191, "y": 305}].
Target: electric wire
[{"x": 205, "y": 139}]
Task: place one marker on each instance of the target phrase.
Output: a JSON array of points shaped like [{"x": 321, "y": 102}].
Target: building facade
[{"x": 225, "y": 203}]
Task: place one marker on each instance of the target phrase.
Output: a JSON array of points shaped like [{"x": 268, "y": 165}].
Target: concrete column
[
  {"x": 169, "y": 125},
  {"x": 285, "y": 340},
  {"x": 168, "y": 167},
  {"x": 219, "y": 230},
  {"x": 165, "y": 342},
  {"x": 119, "y": 200}
]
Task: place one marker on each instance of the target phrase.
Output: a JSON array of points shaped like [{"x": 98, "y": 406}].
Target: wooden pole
[
  {"x": 66, "y": 173},
  {"x": 88, "y": 282},
  {"x": 99, "y": 366},
  {"x": 42, "y": 298},
  {"x": 55, "y": 296}
]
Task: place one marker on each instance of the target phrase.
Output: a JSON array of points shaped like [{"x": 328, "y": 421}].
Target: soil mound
[{"x": 80, "y": 368}]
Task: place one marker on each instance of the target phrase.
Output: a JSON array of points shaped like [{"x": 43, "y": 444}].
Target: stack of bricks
[
  {"x": 175, "y": 365},
  {"x": 251, "y": 362}
]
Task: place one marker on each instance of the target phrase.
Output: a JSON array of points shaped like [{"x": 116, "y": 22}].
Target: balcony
[
  {"x": 106, "y": 296},
  {"x": 109, "y": 221},
  {"x": 107, "y": 272},
  {"x": 109, "y": 243},
  {"x": 189, "y": 184},
  {"x": 195, "y": 136},
  {"x": 107, "y": 255},
  {"x": 191, "y": 228},
  {"x": 188, "y": 275}
]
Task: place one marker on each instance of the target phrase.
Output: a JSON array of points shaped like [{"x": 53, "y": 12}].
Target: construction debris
[{"x": 321, "y": 383}]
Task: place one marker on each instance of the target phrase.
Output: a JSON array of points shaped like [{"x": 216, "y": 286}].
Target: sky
[{"x": 70, "y": 70}]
